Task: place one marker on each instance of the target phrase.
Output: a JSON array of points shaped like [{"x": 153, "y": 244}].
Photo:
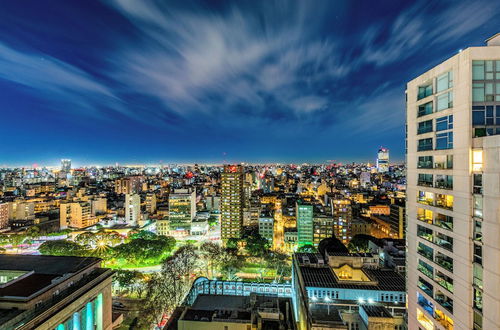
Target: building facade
[
  {"x": 453, "y": 192},
  {"x": 132, "y": 208},
  {"x": 304, "y": 215},
  {"x": 232, "y": 202}
]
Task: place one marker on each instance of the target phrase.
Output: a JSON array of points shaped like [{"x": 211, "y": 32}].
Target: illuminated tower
[
  {"x": 132, "y": 208},
  {"x": 453, "y": 192},
  {"x": 304, "y": 213},
  {"x": 232, "y": 200},
  {"x": 383, "y": 160},
  {"x": 66, "y": 165}
]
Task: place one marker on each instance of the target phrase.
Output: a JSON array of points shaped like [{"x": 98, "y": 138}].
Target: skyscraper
[
  {"x": 132, "y": 208},
  {"x": 232, "y": 202},
  {"x": 383, "y": 160},
  {"x": 304, "y": 213},
  {"x": 66, "y": 165},
  {"x": 453, "y": 145}
]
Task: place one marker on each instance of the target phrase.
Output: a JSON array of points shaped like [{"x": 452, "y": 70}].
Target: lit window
[{"x": 477, "y": 160}]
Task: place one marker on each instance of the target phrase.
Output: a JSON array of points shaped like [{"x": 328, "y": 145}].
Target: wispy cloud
[{"x": 57, "y": 81}]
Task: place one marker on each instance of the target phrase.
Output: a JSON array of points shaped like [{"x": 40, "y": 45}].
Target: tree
[
  {"x": 209, "y": 253},
  {"x": 232, "y": 243},
  {"x": 360, "y": 243},
  {"x": 87, "y": 239},
  {"x": 308, "y": 248},
  {"x": 62, "y": 248},
  {"x": 256, "y": 245}
]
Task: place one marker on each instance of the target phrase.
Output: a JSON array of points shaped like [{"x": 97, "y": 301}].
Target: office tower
[
  {"x": 181, "y": 210},
  {"x": 453, "y": 122},
  {"x": 383, "y": 160},
  {"x": 132, "y": 208},
  {"x": 4, "y": 215},
  {"x": 66, "y": 165},
  {"x": 342, "y": 217},
  {"x": 76, "y": 215},
  {"x": 151, "y": 203},
  {"x": 49, "y": 292},
  {"x": 304, "y": 213},
  {"x": 232, "y": 200}
]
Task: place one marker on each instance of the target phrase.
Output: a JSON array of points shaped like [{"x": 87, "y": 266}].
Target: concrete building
[
  {"x": 453, "y": 192},
  {"x": 49, "y": 292},
  {"x": 342, "y": 218},
  {"x": 383, "y": 160},
  {"x": 266, "y": 227},
  {"x": 76, "y": 215},
  {"x": 151, "y": 203},
  {"x": 232, "y": 202},
  {"x": 322, "y": 228},
  {"x": 4, "y": 215},
  {"x": 130, "y": 185},
  {"x": 181, "y": 211},
  {"x": 346, "y": 291},
  {"x": 304, "y": 214},
  {"x": 132, "y": 208}
]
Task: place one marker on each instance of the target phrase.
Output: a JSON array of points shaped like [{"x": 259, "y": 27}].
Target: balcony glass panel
[
  {"x": 444, "y": 261},
  {"x": 424, "y": 162},
  {"x": 446, "y": 242}
]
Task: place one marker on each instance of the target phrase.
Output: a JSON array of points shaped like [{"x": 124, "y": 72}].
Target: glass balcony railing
[
  {"x": 444, "y": 301},
  {"x": 444, "y": 261}
]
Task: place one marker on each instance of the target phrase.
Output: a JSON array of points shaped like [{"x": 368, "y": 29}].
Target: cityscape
[{"x": 250, "y": 165}]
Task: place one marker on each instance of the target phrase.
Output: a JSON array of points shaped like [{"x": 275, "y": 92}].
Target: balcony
[
  {"x": 444, "y": 261},
  {"x": 425, "y": 286},
  {"x": 446, "y": 242},
  {"x": 444, "y": 182},
  {"x": 444, "y": 281}
]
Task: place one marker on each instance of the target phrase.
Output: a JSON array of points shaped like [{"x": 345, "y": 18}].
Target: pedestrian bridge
[{"x": 203, "y": 285}]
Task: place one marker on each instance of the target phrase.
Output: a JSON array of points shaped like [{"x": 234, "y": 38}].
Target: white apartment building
[{"x": 453, "y": 192}]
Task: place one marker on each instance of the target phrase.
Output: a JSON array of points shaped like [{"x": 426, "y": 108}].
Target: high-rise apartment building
[
  {"x": 453, "y": 192},
  {"x": 66, "y": 165},
  {"x": 304, "y": 213},
  {"x": 232, "y": 201},
  {"x": 76, "y": 215},
  {"x": 132, "y": 208},
  {"x": 383, "y": 160},
  {"x": 130, "y": 185},
  {"x": 151, "y": 203},
  {"x": 342, "y": 217},
  {"x": 4, "y": 215},
  {"x": 181, "y": 210}
]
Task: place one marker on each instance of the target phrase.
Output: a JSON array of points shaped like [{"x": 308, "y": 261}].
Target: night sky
[{"x": 137, "y": 81}]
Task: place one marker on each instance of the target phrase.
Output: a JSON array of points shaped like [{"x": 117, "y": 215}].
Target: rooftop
[{"x": 51, "y": 265}]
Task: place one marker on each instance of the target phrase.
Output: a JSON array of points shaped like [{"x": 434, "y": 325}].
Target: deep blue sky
[{"x": 134, "y": 81}]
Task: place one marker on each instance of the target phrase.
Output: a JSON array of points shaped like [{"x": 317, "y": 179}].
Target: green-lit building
[{"x": 304, "y": 215}]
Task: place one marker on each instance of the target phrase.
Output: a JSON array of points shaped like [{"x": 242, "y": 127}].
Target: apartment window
[
  {"x": 424, "y": 232},
  {"x": 477, "y": 160},
  {"x": 424, "y": 91},
  {"x": 444, "y": 201},
  {"x": 444, "y": 241},
  {"x": 444, "y": 82},
  {"x": 425, "y": 197},
  {"x": 443, "y": 161},
  {"x": 477, "y": 183},
  {"x": 424, "y": 215},
  {"x": 444, "y": 301},
  {"x": 478, "y": 299},
  {"x": 424, "y": 144},
  {"x": 478, "y": 206},
  {"x": 444, "y": 141},
  {"x": 478, "y": 70},
  {"x": 425, "y": 286},
  {"x": 444, "y": 261},
  {"x": 424, "y": 127},
  {"x": 444, "y": 101},
  {"x": 425, "y": 180},
  {"x": 444, "y": 123},
  {"x": 478, "y": 231},
  {"x": 444, "y": 280},
  {"x": 478, "y": 254},
  {"x": 425, "y": 269},
  {"x": 444, "y": 181},
  {"x": 444, "y": 221},
  {"x": 425, "y": 251},
  {"x": 477, "y": 275},
  {"x": 424, "y": 109},
  {"x": 424, "y": 162}
]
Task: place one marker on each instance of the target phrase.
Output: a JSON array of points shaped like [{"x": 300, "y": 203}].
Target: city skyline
[{"x": 219, "y": 82}]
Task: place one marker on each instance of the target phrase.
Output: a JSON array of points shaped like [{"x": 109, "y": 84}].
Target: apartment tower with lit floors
[
  {"x": 232, "y": 202},
  {"x": 453, "y": 192}
]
